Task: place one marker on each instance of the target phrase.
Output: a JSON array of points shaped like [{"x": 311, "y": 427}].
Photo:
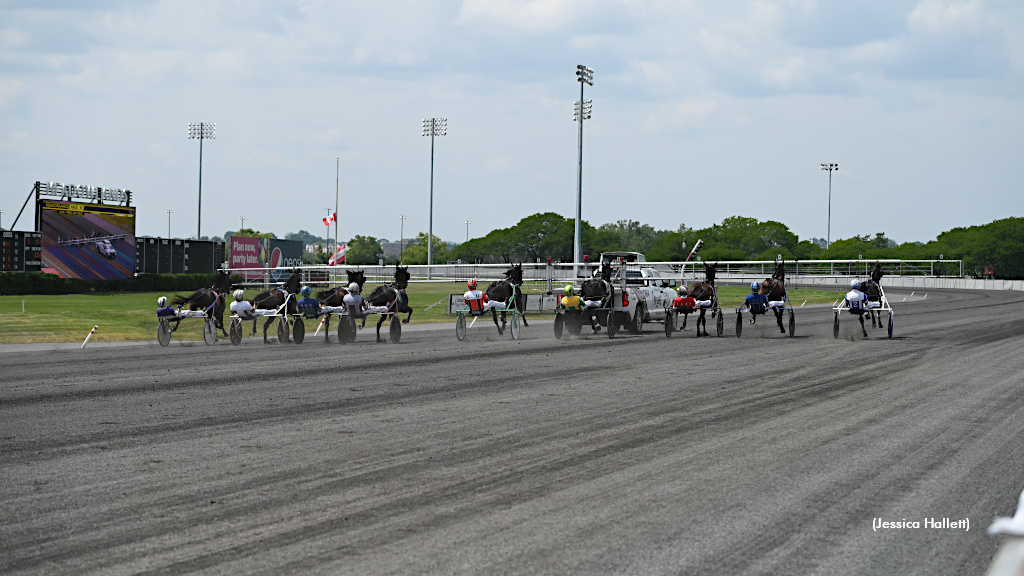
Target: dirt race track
[{"x": 642, "y": 455}]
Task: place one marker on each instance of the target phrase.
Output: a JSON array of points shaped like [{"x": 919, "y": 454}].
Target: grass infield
[{"x": 125, "y": 316}]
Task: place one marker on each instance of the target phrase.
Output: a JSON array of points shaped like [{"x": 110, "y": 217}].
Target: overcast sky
[{"x": 702, "y": 110}]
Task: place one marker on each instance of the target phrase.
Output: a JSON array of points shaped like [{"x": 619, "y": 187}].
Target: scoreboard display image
[
  {"x": 20, "y": 251},
  {"x": 84, "y": 240}
]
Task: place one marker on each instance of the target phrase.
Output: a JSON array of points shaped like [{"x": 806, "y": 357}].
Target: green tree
[
  {"x": 671, "y": 247},
  {"x": 633, "y": 236},
  {"x": 363, "y": 250},
  {"x": 416, "y": 250}
]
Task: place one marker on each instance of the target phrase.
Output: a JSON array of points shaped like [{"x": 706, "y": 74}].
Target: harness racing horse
[
  {"x": 336, "y": 296},
  {"x": 775, "y": 289},
  {"x": 274, "y": 298},
  {"x": 202, "y": 298},
  {"x": 598, "y": 287},
  {"x": 871, "y": 289},
  {"x": 392, "y": 293},
  {"x": 704, "y": 291},
  {"x": 502, "y": 290}
]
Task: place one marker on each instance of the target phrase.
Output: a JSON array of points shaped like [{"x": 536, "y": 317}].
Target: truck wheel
[{"x": 637, "y": 324}]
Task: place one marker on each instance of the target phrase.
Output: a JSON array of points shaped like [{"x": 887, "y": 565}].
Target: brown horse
[
  {"x": 202, "y": 299},
  {"x": 598, "y": 287},
  {"x": 775, "y": 289},
  {"x": 273, "y": 299},
  {"x": 336, "y": 296},
  {"x": 703, "y": 291},
  {"x": 392, "y": 293},
  {"x": 507, "y": 290}
]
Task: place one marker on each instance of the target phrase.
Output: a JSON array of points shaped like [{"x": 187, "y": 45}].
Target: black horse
[
  {"x": 598, "y": 287},
  {"x": 336, "y": 296},
  {"x": 202, "y": 298},
  {"x": 392, "y": 293},
  {"x": 704, "y": 291},
  {"x": 273, "y": 299},
  {"x": 502, "y": 291},
  {"x": 872, "y": 290},
  {"x": 775, "y": 289}
]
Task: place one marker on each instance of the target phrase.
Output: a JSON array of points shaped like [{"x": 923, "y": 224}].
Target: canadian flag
[
  {"x": 332, "y": 218},
  {"x": 339, "y": 256}
]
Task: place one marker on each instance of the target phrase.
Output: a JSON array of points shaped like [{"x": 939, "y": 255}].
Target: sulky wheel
[
  {"x": 613, "y": 324},
  {"x": 720, "y": 323},
  {"x": 515, "y": 325},
  {"x": 739, "y": 324},
  {"x": 282, "y": 330},
  {"x": 890, "y": 325},
  {"x": 236, "y": 331},
  {"x": 559, "y": 325},
  {"x": 460, "y": 327},
  {"x": 792, "y": 324},
  {"x": 210, "y": 332},
  {"x": 835, "y": 325},
  {"x": 670, "y": 323},
  {"x": 298, "y": 331},
  {"x": 395, "y": 329},
  {"x": 163, "y": 332}
]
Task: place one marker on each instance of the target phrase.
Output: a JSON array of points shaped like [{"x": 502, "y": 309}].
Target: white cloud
[
  {"x": 522, "y": 15},
  {"x": 945, "y": 15},
  {"x": 676, "y": 115},
  {"x": 10, "y": 89}
]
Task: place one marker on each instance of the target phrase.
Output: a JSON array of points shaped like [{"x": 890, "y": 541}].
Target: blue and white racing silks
[{"x": 856, "y": 300}]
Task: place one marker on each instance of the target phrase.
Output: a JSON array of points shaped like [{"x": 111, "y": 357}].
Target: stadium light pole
[
  {"x": 169, "y": 223},
  {"x": 401, "y": 242},
  {"x": 242, "y": 218},
  {"x": 432, "y": 127},
  {"x": 830, "y": 168},
  {"x": 467, "y": 230},
  {"x": 337, "y": 179},
  {"x": 584, "y": 75},
  {"x": 201, "y": 131},
  {"x": 1, "y": 219}
]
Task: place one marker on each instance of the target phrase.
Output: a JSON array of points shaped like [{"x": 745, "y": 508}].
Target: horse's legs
[
  {"x": 778, "y": 319},
  {"x": 404, "y": 307},
  {"x": 327, "y": 328},
  {"x": 253, "y": 333},
  {"x": 702, "y": 321},
  {"x": 685, "y": 316},
  {"x": 270, "y": 319},
  {"x": 862, "y": 328},
  {"x": 494, "y": 315},
  {"x": 522, "y": 309},
  {"x": 379, "y": 322}
]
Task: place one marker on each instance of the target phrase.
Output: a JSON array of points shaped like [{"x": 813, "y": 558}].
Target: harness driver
[
  {"x": 571, "y": 302},
  {"x": 478, "y": 301},
  {"x": 241, "y": 308},
  {"x": 758, "y": 303},
  {"x": 307, "y": 305},
  {"x": 856, "y": 300}
]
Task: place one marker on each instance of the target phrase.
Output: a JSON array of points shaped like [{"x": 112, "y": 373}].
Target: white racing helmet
[
  {"x": 161, "y": 301},
  {"x": 239, "y": 294},
  {"x": 353, "y": 288},
  {"x": 854, "y": 284}
]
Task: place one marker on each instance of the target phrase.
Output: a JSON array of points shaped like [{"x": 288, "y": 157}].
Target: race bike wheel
[
  {"x": 282, "y": 330},
  {"x": 236, "y": 331},
  {"x": 515, "y": 325},
  {"x": 670, "y": 324},
  {"x": 720, "y": 324},
  {"x": 792, "y": 324},
  {"x": 835, "y": 326},
  {"x": 739, "y": 324},
  {"x": 613, "y": 324},
  {"x": 210, "y": 332},
  {"x": 559, "y": 325},
  {"x": 395, "y": 329},
  {"x": 890, "y": 325},
  {"x": 163, "y": 332},
  {"x": 460, "y": 327},
  {"x": 299, "y": 331}
]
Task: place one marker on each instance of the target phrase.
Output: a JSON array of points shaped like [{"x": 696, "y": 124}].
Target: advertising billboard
[
  {"x": 264, "y": 253},
  {"x": 90, "y": 241}
]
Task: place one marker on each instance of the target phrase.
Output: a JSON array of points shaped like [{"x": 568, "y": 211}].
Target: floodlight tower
[
  {"x": 401, "y": 241},
  {"x": 830, "y": 168},
  {"x": 467, "y": 230},
  {"x": 432, "y": 127},
  {"x": 584, "y": 75},
  {"x": 201, "y": 131},
  {"x": 169, "y": 223}
]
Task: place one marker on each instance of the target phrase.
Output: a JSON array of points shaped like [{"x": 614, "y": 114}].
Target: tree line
[{"x": 999, "y": 244}]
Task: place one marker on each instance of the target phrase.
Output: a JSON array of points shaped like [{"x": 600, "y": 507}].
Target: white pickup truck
[{"x": 640, "y": 293}]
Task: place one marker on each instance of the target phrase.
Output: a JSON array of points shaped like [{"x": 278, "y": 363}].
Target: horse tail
[{"x": 179, "y": 300}]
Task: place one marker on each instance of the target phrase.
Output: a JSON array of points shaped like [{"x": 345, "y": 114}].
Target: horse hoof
[{"x": 405, "y": 321}]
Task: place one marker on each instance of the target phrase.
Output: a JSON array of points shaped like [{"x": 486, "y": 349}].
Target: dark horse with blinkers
[
  {"x": 871, "y": 289},
  {"x": 273, "y": 299},
  {"x": 598, "y": 287},
  {"x": 704, "y": 291},
  {"x": 392, "y": 294},
  {"x": 336, "y": 296},
  {"x": 502, "y": 290},
  {"x": 775, "y": 289},
  {"x": 202, "y": 298}
]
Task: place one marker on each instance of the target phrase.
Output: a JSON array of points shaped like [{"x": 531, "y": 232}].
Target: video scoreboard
[{"x": 21, "y": 251}]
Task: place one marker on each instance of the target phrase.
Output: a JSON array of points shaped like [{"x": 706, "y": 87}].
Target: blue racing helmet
[
  {"x": 755, "y": 286},
  {"x": 306, "y": 291}
]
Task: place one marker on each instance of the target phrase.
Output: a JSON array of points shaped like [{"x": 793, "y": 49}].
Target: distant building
[{"x": 391, "y": 249}]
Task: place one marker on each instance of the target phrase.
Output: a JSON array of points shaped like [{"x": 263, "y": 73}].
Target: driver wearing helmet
[
  {"x": 357, "y": 306},
  {"x": 308, "y": 306},
  {"x": 163, "y": 310},
  {"x": 242, "y": 308},
  {"x": 758, "y": 303},
  {"x": 571, "y": 302},
  {"x": 856, "y": 300},
  {"x": 477, "y": 300}
]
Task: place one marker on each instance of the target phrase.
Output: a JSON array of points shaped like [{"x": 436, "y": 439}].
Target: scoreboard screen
[{"x": 20, "y": 251}]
